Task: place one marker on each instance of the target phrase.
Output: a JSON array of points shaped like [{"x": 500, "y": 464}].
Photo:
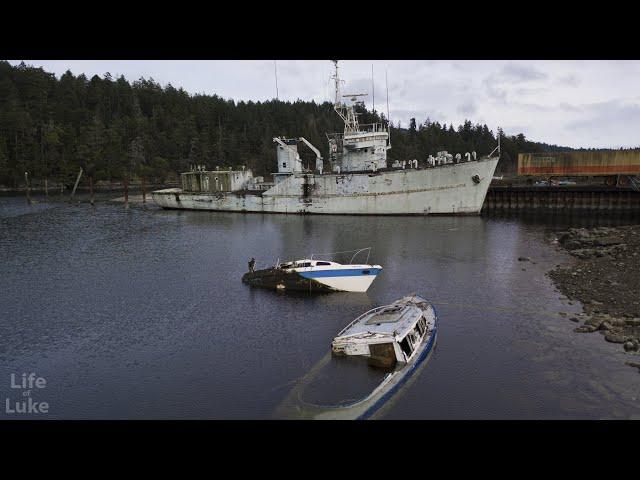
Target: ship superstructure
[
  {"x": 360, "y": 148},
  {"x": 358, "y": 181}
]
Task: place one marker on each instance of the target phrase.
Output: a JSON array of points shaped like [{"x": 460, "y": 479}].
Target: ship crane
[
  {"x": 319, "y": 163},
  {"x": 285, "y": 146}
]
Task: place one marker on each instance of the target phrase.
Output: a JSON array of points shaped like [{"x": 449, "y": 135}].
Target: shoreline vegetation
[
  {"x": 121, "y": 131},
  {"x": 605, "y": 278}
]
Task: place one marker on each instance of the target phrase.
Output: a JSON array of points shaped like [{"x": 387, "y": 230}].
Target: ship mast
[
  {"x": 347, "y": 112},
  {"x": 338, "y": 106},
  {"x": 336, "y": 77}
]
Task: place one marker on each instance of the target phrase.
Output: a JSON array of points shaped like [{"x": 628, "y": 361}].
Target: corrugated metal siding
[{"x": 612, "y": 162}]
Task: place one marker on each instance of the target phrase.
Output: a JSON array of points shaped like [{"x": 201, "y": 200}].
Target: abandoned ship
[{"x": 359, "y": 180}]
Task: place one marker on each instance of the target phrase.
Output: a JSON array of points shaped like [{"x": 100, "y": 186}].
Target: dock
[{"x": 561, "y": 198}]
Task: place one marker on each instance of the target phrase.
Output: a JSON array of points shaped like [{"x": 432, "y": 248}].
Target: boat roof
[
  {"x": 388, "y": 320},
  {"x": 308, "y": 260},
  {"x": 329, "y": 262}
]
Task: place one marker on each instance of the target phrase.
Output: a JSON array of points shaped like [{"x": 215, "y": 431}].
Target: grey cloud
[
  {"x": 567, "y": 107},
  {"x": 493, "y": 90},
  {"x": 524, "y": 91},
  {"x": 359, "y": 85},
  {"x": 607, "y": 115},
  {"x": 609, "y": 124},
  {"x": 468, "y": 108},
  {"x": 571, "y": 80},
  {"x": 516, "y": 72},
  {"x": 497, "y": 84}
]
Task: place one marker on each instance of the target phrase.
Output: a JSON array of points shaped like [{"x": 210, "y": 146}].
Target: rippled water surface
[{"x": 142, "y": 314}]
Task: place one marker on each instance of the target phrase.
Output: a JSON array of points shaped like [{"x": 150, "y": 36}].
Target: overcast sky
[{"x": 574, "y": 103}]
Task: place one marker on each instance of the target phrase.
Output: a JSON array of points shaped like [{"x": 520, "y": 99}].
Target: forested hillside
[{"x": 116, "y": 130}]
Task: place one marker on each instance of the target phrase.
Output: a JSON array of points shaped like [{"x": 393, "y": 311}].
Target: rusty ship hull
[{"x": 457, "y": 188}]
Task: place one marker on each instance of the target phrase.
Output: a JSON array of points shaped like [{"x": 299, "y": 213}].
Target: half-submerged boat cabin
[{"x": 388, "y": 334}]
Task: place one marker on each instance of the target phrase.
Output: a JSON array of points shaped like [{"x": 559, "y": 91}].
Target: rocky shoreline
[{"x": 605, "y": 278}]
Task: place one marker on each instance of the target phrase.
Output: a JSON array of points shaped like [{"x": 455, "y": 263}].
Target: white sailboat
[{"x": 313, "y": 274}]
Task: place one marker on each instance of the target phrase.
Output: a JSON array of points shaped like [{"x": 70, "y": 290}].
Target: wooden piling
[
  {"x": 126, "y": 192},
  {"x": 28, "y": 189},
  {"x": 91, "y": 197},
  {"x": 73, "y": 193}
]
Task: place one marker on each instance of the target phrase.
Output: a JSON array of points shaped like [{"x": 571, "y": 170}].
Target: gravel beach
[{"x": 605, "y": 278}]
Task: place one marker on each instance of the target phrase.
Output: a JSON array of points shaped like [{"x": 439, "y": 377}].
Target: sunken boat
[
  {"x": 371, "y": 361},
  {"x": 314, "y": 275}
]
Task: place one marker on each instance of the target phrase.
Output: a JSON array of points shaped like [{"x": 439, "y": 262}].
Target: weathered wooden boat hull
[{"x": 274, "y": 278}]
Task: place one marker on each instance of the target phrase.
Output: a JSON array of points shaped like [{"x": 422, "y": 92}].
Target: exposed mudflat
[{"x": 605, "y": 278}]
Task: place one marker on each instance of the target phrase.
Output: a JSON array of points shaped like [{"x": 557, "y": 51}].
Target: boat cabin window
[
  {"x": 323, "y": 263},
  {"x": 304, "y": 264},
  {"x": 420, "y": 326},
  {"x": 406, "y": 346}
]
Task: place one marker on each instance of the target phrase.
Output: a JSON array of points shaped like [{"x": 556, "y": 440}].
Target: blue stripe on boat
[
  {"x": 349, "y": 272},
  {"x": 423, "y": 355}
]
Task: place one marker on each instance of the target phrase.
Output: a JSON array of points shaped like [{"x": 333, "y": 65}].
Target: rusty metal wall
[
  {"x": 610, "y": 162},
  {"x": 561, "y": 199}
]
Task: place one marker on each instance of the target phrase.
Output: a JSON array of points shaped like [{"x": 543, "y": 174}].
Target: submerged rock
[
  {"x": 585, "y": 329},
  {"x": 615, "y": 337}
]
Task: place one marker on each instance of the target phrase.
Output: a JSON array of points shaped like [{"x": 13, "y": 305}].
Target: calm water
[{"x": 142, "y": 314}]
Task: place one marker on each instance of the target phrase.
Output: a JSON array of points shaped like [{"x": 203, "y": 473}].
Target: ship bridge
[{"x": 361, "y": 147}]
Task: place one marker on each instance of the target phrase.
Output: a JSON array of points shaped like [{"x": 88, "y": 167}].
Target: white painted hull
[
  {"x": 446, "y": 189},
  {"x": 348, "y": 284}
]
